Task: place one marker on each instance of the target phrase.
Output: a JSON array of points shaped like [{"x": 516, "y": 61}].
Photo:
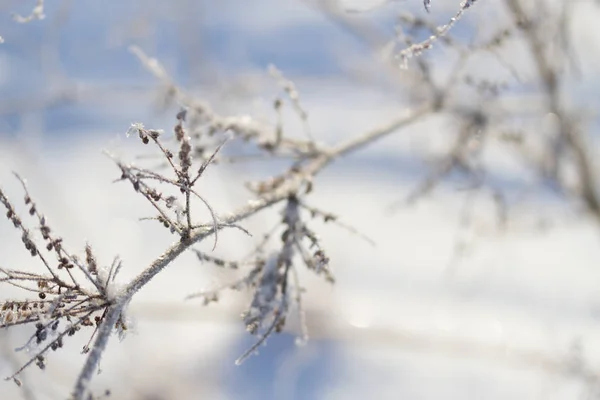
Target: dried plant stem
[
  {"x": 572, "y": 136},
  {"x": 313, "y": 167}
]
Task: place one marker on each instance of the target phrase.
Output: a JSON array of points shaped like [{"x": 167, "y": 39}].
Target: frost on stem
[
  {"x": 208, "y": 129},
  {"x": 174, "y": 210},
  {"x": 272, "y": 275},
  {"x": 417, "y": 49},
  {"x": 67, "y": 295},
  {"x": 289, "y": 87}
]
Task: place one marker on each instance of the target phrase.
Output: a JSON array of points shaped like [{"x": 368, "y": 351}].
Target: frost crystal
[{"x": 134, "y": 129}]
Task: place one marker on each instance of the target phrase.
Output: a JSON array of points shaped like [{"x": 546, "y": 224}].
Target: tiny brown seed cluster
[{"x": 12, "y": 312}]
